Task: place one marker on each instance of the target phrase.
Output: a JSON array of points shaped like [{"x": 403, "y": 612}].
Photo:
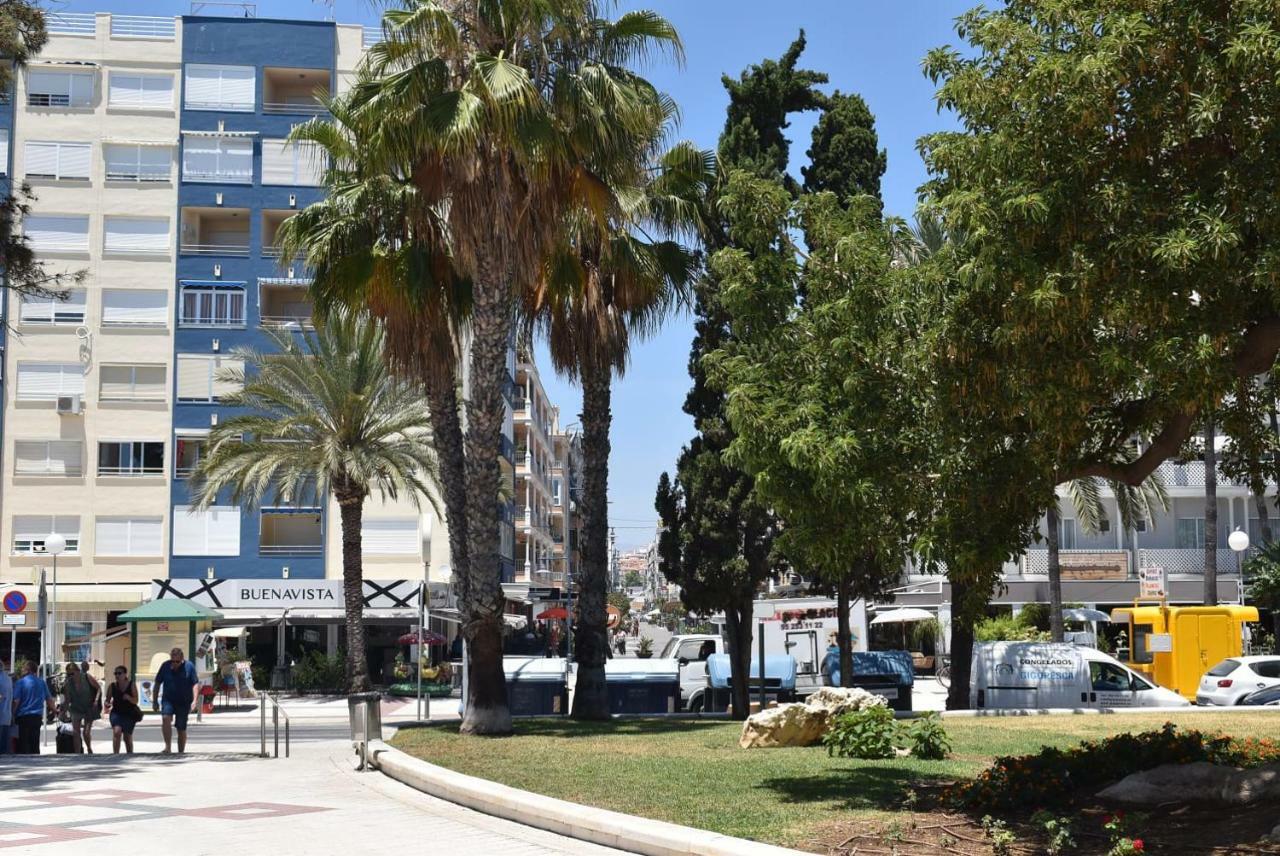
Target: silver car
[{"x": 1231, "y": 680}]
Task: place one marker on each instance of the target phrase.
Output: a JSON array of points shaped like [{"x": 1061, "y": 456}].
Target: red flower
[{"x": 1138, "y": 845}]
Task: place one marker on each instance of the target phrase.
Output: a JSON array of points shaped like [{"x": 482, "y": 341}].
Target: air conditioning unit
[{"x": 68, "y": 405}]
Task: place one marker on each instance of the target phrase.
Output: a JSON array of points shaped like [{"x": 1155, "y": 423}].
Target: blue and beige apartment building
[{"x": 156, "y": 151}]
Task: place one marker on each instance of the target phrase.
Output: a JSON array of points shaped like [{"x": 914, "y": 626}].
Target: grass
[{"x": 693, "y": 773}]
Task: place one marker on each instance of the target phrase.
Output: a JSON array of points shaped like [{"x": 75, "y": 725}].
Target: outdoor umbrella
[
  {"x": 904, "y": 616},
  {"x": 1084, "y": 615},
  {"x": 553, "y": 612},
  {"x": 431, "y": 637}
]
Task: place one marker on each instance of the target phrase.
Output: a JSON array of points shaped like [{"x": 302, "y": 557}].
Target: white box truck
[
  {"x": 797, "y": 626},
  {"x": 1039, "y": 675}
]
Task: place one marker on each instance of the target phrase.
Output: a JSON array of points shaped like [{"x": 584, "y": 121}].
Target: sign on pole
[
  {"x": 14, "y": 601},
  {"x": 14, "y": 620},
  {"x": 1151, "y": 582}
]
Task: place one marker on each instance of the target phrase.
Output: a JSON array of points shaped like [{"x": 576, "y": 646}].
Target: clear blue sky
[{"x": 870, "y": 47}]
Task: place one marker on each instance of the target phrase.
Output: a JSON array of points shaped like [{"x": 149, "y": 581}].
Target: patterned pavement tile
[
  {"x": 26, "y": 836},
  {"x": 97, "y": 796},
  {"x": 249, "y": 811}
]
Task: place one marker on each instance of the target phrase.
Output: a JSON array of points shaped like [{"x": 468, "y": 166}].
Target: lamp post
[
  {"x": 54, "y": 545},
  {"x": 1239, "y": 542}
]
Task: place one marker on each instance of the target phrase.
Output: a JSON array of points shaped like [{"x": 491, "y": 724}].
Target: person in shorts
[
  {"x": 122, "y": 710},
  {"x": 174, "y": 695},
  {"x": 31, "y": 700},
  {"x": 82, "y": 694}
]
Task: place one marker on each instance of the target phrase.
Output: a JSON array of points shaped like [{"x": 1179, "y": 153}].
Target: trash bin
[
  {"x": 779, "y": 683},
  {"x": 642, "y": 686},
  {"x": 886, "y": 673},
  {"x": 365, "y": 713},
  {"x": 536, "y": 686}
]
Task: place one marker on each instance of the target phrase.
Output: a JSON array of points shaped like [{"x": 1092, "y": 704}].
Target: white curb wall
[{"x": 599, "y": 826}]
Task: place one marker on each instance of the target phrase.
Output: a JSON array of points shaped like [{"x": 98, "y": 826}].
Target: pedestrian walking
[
  {"x": 176, "y": 684},
  {"x": 84, "y": 698},
  {"x": 6, "y": 709},
  {"x": 31, "y": 698},
  {"x": 122, "y": 710}
]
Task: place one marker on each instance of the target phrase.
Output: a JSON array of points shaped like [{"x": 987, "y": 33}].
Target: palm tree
[
  {"x": 604, "y": 288},
  {"x": 1134, "y": 504},
  {"x": 326, "y": 417},
  {"x": 499, "y": 112}
]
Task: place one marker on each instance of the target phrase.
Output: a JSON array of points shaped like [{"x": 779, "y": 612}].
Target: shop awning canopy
[
  {"x": 170, "y": 609},
  {"x": 230, "y": 632},
  {"x": 553, "y": 612},
  {"x": 432, "y": 638}
]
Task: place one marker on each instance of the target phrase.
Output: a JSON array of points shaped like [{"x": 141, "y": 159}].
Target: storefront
[{"x": 88, "y": 625}]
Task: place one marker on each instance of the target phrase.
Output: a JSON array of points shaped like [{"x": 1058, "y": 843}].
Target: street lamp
[
  {"x": 54, "y": 545},
  {"x": 1239, "y": 542}
]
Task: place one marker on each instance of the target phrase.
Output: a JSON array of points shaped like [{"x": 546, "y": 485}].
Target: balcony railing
[
  {"x": 1174, "y": 560},
  {"x": 1186, "y": 560},
  {"x": 290, "y": 322},
  {"x": 215, "y": 249},
  {"x": 292, "y": 108},
  {"x": 228, "y": 177},
  {"x": 210, "y": 321},
  {"x": 290, "y": 549},
  {"x": 130, "y": 471},
  {"x": 143, "y": 27},
  {"x": 48, "y": 470},
  {"x": 372, "y": 35},
  {"x": 151, "y": 174},
  {"x": 70, "y": 23}
]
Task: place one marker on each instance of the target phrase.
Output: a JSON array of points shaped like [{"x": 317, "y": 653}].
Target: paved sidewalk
[{"x": 310, "y": 805}]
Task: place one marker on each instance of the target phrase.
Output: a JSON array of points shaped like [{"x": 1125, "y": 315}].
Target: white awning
[
  {"x": 73, "y": 63},
  {"x": 283, "y": 280},
  {"x": 230, "y": 632},
  {"x": 323, "y": 616},
  {"x": 110, "y": 141},
  {"x": 220, "y": 133}
]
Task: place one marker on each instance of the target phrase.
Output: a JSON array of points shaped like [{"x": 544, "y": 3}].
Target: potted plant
[{"x": 645, "y": 649}]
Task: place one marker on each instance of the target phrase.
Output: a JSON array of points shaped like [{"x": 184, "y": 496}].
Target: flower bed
[{"x": 1052, "y": 776}]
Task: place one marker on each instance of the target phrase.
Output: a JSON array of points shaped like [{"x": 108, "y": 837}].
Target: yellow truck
[{"x": 1176, "y": 645}]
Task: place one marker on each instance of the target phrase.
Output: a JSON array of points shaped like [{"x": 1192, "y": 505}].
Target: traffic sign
[
  {"x": 15, "y": 601},
  {"x": 14, "y": 619}
]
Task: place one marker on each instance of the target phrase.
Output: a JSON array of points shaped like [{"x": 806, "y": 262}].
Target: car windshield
[
  {"x": 1224, "y": 668},
  {"x": 669, "y": 650}
]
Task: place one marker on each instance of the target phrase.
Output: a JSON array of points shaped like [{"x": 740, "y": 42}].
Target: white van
[{"x": 1030, "y": 675}]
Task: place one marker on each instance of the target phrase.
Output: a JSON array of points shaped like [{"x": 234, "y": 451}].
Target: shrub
[
  {"x": 867, "y": 733},
  {"x": 1057, "y": 832},
  {"x": 645, "y": 648},
  {"x": 319, "y": 672},
  {"x": 1052, "y": 775},
  {"x": 927, "y": 739},
  {"x": 1007, "y": 628}
]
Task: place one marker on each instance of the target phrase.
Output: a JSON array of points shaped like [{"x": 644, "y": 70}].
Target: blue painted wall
[{"x": 259, "y": 43}]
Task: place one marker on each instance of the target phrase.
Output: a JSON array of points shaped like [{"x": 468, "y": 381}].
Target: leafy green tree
[
  {"x": 327, "y": 417},
  {"x": 633, "y": 579},
  {"x": 1108, "y": 173},
  {"x": 504, "y": 113},
  {"x": 718, "y": 538},
  {"x": 845, "y": 157},
  {"x": 1263, "y": 573}
]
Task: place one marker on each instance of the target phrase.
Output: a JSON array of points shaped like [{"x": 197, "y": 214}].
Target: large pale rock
[
  {"x": 837, "y": 700},
  {"x": 784, "y": 725},
  {"x": 1201, "y": 783}
]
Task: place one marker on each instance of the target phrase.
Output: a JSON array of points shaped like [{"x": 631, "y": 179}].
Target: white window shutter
[
  {"x": 81, "y": 90},
  {"x": 111, "y": 536},
  {"x": 4, "y": 151},
  {"x": 136, "y": 235},
  {"x": 41, "y": 159},
  {"x": 390, "y": 536},
  {"x": 225, "y": 87},
  {"x": 47, "y": 457},
  {"x": 311, "y": 164},
  {"x": 47, "y": 83},
  {"x": 237, "y": 159},
  {"x": 127, "y": 306},
  {"x": 73, "y": 160},
  {"x": 146, "y": 536},
  {"x": 203, "y": 85},
  {"x": 149, "y": 383},
  {"x": 212, "y": 532},
  {"x": 51, "y": 233},
  {"x": 277, "y": 162},
  {"x": 115, "y": 383},
  {"x": 221, "y": 385},
  {"x": 195, "y": 377},
  {"x": 46, "y": 381},
  {"x": 237, "y": 87}
]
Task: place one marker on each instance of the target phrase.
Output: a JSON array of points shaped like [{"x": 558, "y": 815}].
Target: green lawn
[{"x": 693, "y": 772}]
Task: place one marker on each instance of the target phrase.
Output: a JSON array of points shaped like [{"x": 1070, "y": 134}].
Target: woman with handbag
[
  {"x": 80, "y": 691},
  {"x": 122, "y": 710}
]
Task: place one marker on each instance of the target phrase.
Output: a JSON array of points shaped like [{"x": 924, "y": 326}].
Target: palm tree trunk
[
  {"x": 1210, "y": 516},
  {"x": 351, "y": 508},
  {"x": 1052, "y": 522},
  {"x": 843, "y": 632},
  {"x": 591, "y": 696},
  {"x": 446, "y": 437},
  {"x": 481, "y": 598},
  {"x": 738, "y": 626}
]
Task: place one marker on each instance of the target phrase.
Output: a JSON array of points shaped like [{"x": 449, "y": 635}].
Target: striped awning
[{"x": 110, "y": 141}]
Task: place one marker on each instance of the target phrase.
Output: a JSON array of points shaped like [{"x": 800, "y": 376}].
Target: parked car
[
  {"x": 1269, "y": 696},
  {"x": 1236, "y": 677}
]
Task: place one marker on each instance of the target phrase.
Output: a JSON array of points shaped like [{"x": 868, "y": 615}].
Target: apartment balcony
[
  {"x": 1120, "y": 564},
  {"x": 295, "y": 91},
  {"x": 291, "y": 533},
  {"x": 285, "y": 306},
  {"x": 215, "y": 231},
  {"x": 271, "y": 222}
]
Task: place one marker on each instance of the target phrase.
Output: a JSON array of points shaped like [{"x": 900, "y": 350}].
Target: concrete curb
[
  {"x": 1106, "y": 711},
  {"x": 596, "y": 825}
]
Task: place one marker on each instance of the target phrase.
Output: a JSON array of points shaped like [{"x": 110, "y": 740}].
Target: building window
[
  {"x": 208, "y": 305},
  {"x": 50, "y": 310},
  {"x": 131, "y": 383},
  {"x": 135, "y": 308},
  {"x": 128, "y": 536},
  {"x": 208, "y": 379},
  {"x": 59, "y": 89},
  {"x": 47, "y": 381},
  {"x": 1066, "y": 534},
  {"x": 1140, "y": 525},
  {"x": 1189, "y": 533},
  {"x": 214, "y": 531},
  {"x": 4, "y": 151},
  {"x": 292, "y": 163},
  {"x": 140, "y": 91},
  {"x": 188, "y": 451},
  {"x": 60, "y": 233},
  {"x": 131, "y": 458},
  {"x": 557, "y": 491},
  {"x": 130, "y": 162},
  {"x": 59, "y": 161},
  {"x": 136, "y": 235},
  {"x": 220, "y": 87},
  {"x": 222, "y": 159},
  {"x": 389, "y": 536},
  {"x": 59, "y": 458},
  {"x": 30, "y": 531},
  {"x": 291, "y": 533}
]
